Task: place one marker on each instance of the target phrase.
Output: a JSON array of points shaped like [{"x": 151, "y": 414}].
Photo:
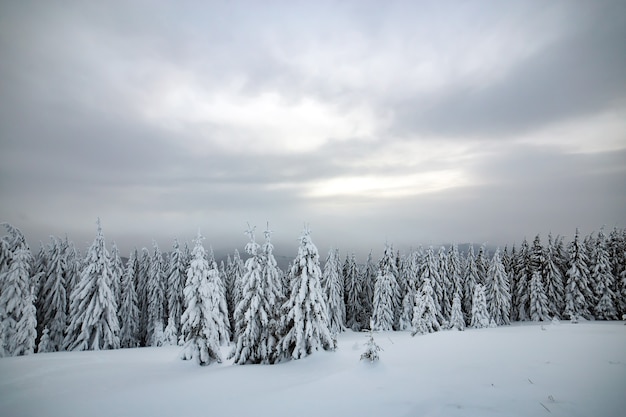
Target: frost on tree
[
  {"x": 200, "y": 320},
  {"x": 305, "y": 324},
  {"x": 255, "y": 315},
  {"x": 386, "y": 294},
  {"x": 538, "y": 300},
  {"x": 577, "y": 291},
  {"x": 425, "y": 314},
  {"x": 93, "y": 310},
  {"x": 445, "y": 302},
  {"x": 480, "y": 315},
  {"x": 129, "y": 309},
  {"x": 430, "y": 272},
  {"x": 521, "y": 287},
  {"x": 456, "y": 316},
  {"x": 603, "y": 281},
  {"x": 332, "y": 285},
  {"x": 117, "y": 267},
  {"x": 498, "y": 291},
  {"x": 235, "y": 271}
]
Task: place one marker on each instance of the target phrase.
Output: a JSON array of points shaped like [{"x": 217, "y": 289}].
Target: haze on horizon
[{"x": 408, "y": 122}]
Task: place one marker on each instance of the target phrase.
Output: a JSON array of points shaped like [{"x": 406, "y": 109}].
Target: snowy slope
[{"x": 521, "y": 370}]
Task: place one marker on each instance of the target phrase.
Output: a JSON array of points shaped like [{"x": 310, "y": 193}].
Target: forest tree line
[{"x": 58, "y": 299}]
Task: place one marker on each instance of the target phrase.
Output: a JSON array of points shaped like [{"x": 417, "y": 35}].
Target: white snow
[{"x": 529, "y": 369}]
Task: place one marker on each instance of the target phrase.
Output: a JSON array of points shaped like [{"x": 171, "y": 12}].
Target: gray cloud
[{"x": 80, "y": 136}]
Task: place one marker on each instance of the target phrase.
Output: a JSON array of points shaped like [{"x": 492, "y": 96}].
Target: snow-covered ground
[{"x": 521, "y": 370}]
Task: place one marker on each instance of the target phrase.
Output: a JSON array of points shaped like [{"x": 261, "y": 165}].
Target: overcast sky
[{"x": 408, "y": 122}]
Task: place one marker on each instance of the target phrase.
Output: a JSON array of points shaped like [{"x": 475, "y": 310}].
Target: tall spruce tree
[
  {"x": 480, "y": 314},
  {"x": 176, "y": 274},
  {"x": 53, "y": 296},
  {"x": 201, "y": 318},
  {"x": 521, "y": 295},
  {"x": 386, "y": 293},
  {"x": 333, "y": 287},
  {"x": 538, "y": 299},
  {"x": 470, "y": 280},
  {"x": 426, "y": 314},
  {"x": 129, "y": 307},
  {"x": 577, "y": 291},
  {"x": 498, "y": 291},
  {"x": 93, "y": 309},
  {"x": 353, "y": 289},
  {"x": 603, "y": 281},
  {"x": 155, "y": 299},
  {"x": 554, "y": 280},
  {"x": 305, "y": 322}
]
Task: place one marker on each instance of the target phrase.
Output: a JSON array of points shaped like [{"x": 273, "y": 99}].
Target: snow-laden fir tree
[
  {"x": 368, "y": 281},
  {"x": 386, "y": 293},
  {"x": 617, "y": 254},
  {"x": 52, "y": 300},
  {"x": 521, "y": 288},
  {"x": 411, "y": 290},
  {"x": 352, "y": 293},
  {"x": 17, "y": 312},
  {"x": 93, "y": 310},
  {"x": 456, "y": 317},
  {"x": 480, "y": 315},
  {"x": 117, "y": 267},
  {"x": 176, "y": 275},
  {"x": 129, "y": 308},
  {"x": 425, "y": 316},
  {"x": 603, "y": 281},
  {"x": 305, "y": 323},
  {"x": 332, "y": 285},
  {"x": 45, "y": 344},
  {"x": 142, "y": 295},
  {"x": 26, "y": 329},
  {"x": 453, "y": 269},
  {"x": 218, "y": 294},
  {"x": 446, "y": 284},
  {"x": 498, "y": 291},
  {"x": 200, "y": 320},
  {"x": 274, "y": 278},
  {"x": 156, "y": 299},
  {"x": 538, "y": 300},
  {"x": 554, "y": 280},
  {"x": 371, "y": 349},
  {"x": 72, "y": 267},
  {"x": 482, "y": 265},
  {"x": 577, "y": 290},
  {"x": 237, "y": 271},
  {"x": 470, "y": 280},
  {"x": 430, "y": 271}
]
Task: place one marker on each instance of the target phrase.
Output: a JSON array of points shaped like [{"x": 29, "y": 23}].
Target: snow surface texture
[{"x": 520, "y": 370}]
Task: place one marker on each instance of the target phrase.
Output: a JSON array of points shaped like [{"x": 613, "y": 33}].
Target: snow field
[{"x": 520, "y": 370}]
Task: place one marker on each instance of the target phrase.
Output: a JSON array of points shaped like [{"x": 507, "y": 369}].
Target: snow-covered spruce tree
[
  {"x": 482, "y": 265},
  {"x": 218, "y": 294},
  {"x": 577, "y": 291},
  {"x": 155, "y": 299},
  {"x": 480, "y": 315},
  {"x": 446, "y": 284},
  {"x": 93, "y": 310},
  {"x": 52, "y": 313},
  {"x": 616, "y": 248},
  {"x": 603, "y": 281},
  {"x": 368, "y": 281},
  {"x": 45, "y": 345},
  {"x": 237, "y": 271},
  {"x": 117, "y": 267},
  {"x": 142, "y": 295},
  {"x": 72, "y": 267},
  {"x": 256, "y": 313},
  {"x": 411, "y": 291},
  {"x": 456, "y": 317},
  {"x": 425, "y": 316},
  {"x": 176, "y": 274},
  {"x": 453, "y": 268},
  {"x": 129, "y": 308},
  {"x": 538, "y": 300},
  {"x": 430, "y": 271},
  {"x": 305, "y": 323},
  {"x": 470, "y": 280},
  {"x": 273, "y": 276},
  {"x": 371, "y": 349},
  {"x": 498, "y": 291},
  {"x": 200, "y": 320},
  {"x": 386, "y": 293},
  {"x": 554, "y": 280},
  {"x": 17, "y": 312},
  {"x": 352, "y": 293},
  {"x": 332, "y": 285},
  {"x": 521, "y": 293}
]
